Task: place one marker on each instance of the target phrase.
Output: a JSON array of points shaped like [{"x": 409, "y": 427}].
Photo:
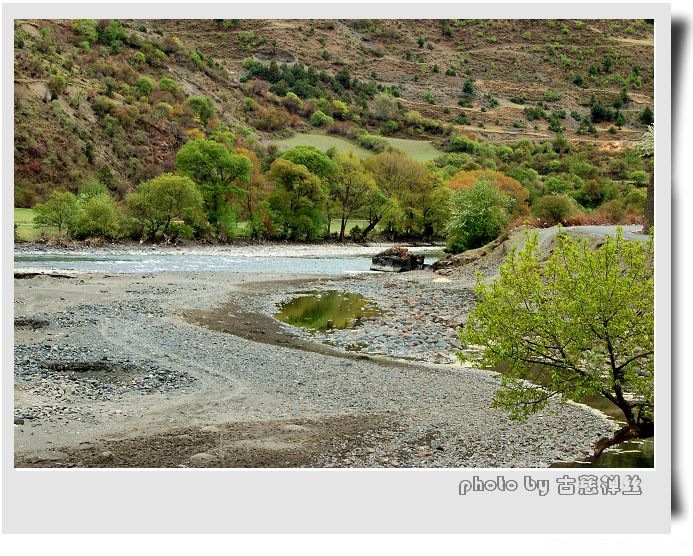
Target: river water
[{"x": 276, "y": 259}]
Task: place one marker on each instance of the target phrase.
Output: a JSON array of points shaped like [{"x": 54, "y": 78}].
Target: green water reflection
[{"x": 325, "y": 310}]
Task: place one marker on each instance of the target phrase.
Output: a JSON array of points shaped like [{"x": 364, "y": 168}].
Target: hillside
[{"x": 116, "y": 100}]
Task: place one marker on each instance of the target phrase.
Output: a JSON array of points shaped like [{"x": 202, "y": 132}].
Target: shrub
[
  {"x": 463, "y": 144},
  {"x": 340, "y": 109},
  {"x": 56, "y": 85},
  {"x": 646, "y": 116},
  {"x": 138, "y": 59},
  {"x": 553, "y": 208},
  {"x": 271, "y": 119},
  {"x": 292, "y": 102},
  {"x": 534, "y": 113},
  {"x": 86, "y": 29},
  {"x": 343, "y": 129},
  {"x": 583, "y": 169},
  {"x": 203, "y": 108},
  {"x": 168, "y": 84},
  {"x": 553, "y": 185},
  {"x": 144, "y": 86},
  {"x": 601, "y": 113},
  {"x": 639, "y": 177},
  {"x": 320, "y": 119},
  {"x": 462, "y": 119},
  {"x": 114, "y": 36},
  {"x": 59, "y": 211},
  {"x": 551, "y": 95},
  {"x": 477, "y": 216},
  {"x": 385, "y": 107},
  {"x": 372, "y": 142},
  {"x": 99, "y": 217}
]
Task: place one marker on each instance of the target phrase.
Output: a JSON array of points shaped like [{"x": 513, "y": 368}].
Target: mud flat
[{"x": 190, "y": 370}]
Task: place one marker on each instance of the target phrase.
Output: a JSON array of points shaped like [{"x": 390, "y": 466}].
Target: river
[{"x": 274, "y": 259}]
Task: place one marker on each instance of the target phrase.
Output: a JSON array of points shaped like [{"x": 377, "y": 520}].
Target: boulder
[{"x": 397, "y": 259}]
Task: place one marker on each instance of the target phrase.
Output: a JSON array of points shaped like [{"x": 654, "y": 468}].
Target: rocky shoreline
[{"x": 110, "y": 365}]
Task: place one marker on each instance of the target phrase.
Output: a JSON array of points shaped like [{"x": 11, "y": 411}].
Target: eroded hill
[{"x": 118, "y": 99}]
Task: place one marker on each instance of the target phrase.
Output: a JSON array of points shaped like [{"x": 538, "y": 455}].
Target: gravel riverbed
[{"x": 108, "y": 372}]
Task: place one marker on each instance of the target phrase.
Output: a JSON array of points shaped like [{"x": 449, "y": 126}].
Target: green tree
[
  {"x": 297, "y": 200},
  {"x": 59, "y": 211},
  {"x": 402, "y": 183},
  {"x": 99, "y": 216},
  {"x": 219, "y": 174},
  {"x": 350, "y": 188},
  {"x": 477, "y": 215},
  {"x": 160, "y": 201},
  {"x": 203, "y": 108},
  {"x": 647, "y": 116},
  {"x": 319, "y": 164},
  {"x": 583, "y": 322}
]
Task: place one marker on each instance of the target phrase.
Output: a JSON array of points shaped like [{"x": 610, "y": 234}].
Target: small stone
[
  {"x": 210, "y": 428},
  {"x": 106, "y": 456},
  {"x": 202, "y": 459},
  {"x": 295, "y": 428},
  {"x": 18, "y": 421}
]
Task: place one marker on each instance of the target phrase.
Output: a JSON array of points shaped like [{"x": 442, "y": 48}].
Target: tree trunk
[
  {"x": 629, "y": 432},
  {"x": 341, "y": 229},
  {"x": 649, "y": 206},
  {"x": 368, "y": 229}
]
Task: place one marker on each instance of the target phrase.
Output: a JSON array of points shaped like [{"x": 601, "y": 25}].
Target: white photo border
[{"x": 336, "y": 500}]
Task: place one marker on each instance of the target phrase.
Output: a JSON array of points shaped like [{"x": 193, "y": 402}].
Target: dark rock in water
[{"x": 397, "y": 259}]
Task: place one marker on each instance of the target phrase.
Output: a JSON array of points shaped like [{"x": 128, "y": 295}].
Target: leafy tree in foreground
[{"x": 583, "y": 321}]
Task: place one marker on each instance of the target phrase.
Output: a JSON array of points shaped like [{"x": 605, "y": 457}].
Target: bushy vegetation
[
  {"x": 477, "y": 215},
  {"x": 139, "y": 121},
  {"x": 583, "y": 319}
]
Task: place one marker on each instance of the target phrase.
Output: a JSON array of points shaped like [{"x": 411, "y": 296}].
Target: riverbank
[{"x": 124, "y": 371}]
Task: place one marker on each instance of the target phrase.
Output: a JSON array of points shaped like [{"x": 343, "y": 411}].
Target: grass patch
[
  {"x": 413, "y": 148},
  {"x": 322, "y": 142},
  {"x": 25, "y": 218}
]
